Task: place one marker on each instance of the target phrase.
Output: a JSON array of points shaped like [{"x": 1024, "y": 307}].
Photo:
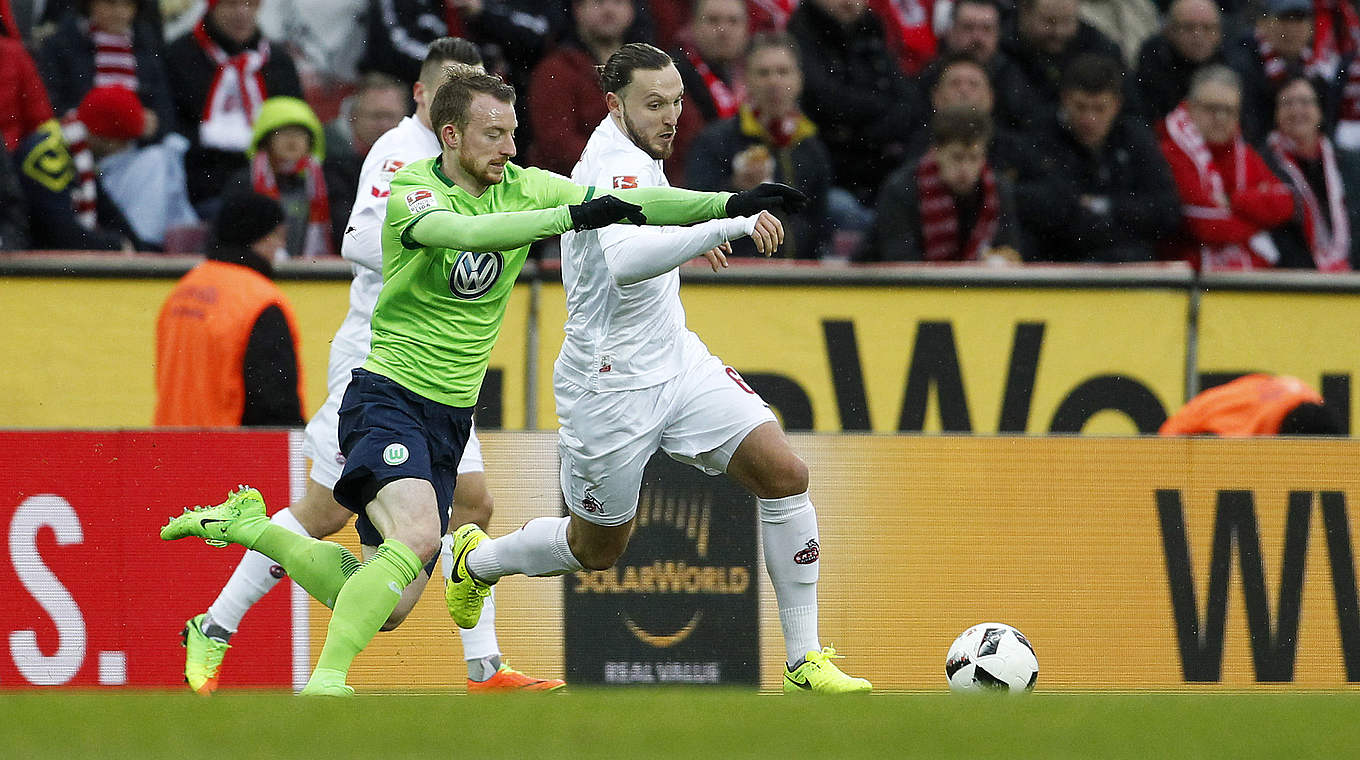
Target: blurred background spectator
[
  {"x": 1325, "y": 183},
  {"x": 1094, "y": 187},
  {"x": 1046, "y": 37},
  {"x": 566, "y": 101},
  {"x": 226, "y": 341},
  {"x": 949, "y": 205},
  {"x": 861, "y": 103},
  {"x": 974, "y": 31},
  {"x": 769, "y": 140},
  {"x": 23, "y": 99},
  {"x": 1229, "y": 198},
  {"x": 1191, "y": 37},
  {"x": 220, "y": 75},
  {"x": 710, "y": 66},
  {"x": 101, "y": 45},
  {"x": 286, "y": 155},
  {"x": 1278, "y": 48},
  {"x": 113, "y": 173},
  {"x": 961, "y": 81},
  {"x": 376, "y": 106}
]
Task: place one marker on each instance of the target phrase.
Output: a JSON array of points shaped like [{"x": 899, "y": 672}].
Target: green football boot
[
  {"x": 464, "y": 594},
  {"x": 202, "y": 657},
  {"x": 326, "y": 683},
  {"x": 238, "y": 520},
  {"x": 819, "y": 675}
]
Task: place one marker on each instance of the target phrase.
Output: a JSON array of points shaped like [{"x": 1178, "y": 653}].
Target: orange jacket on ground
[
  {"x": 1250, "y": 405},
  {"x": 201, "y": 338}
]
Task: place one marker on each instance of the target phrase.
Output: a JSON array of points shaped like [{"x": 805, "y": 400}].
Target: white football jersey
[
  {"x": 618, "y": 337},
  {"x": 407, "y": 142}
]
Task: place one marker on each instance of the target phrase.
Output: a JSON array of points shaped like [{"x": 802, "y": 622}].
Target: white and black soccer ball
[{"x": 991, "y": 657}]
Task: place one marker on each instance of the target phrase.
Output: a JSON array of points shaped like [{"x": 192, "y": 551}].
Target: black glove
[
  {"x": 604, "y": 211},
  {"x": 767, "y": 196}
]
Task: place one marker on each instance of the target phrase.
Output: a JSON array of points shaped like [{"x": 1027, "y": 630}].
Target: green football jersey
[{"x": 440, "y": 308}]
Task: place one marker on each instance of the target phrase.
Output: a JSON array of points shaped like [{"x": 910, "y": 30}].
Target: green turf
[{"x": 707, "y": 724}]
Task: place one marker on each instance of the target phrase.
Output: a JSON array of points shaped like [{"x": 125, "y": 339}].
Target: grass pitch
[{"x": 678, "y": 723}]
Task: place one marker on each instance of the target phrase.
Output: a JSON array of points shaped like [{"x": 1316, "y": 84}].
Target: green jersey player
[{"x": 457, "y": 233}]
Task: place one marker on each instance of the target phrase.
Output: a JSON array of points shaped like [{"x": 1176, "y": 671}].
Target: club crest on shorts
[
  {"x": 395, "y": 454},
  {"x": 808, "y": 554},
  {"x": 591, "y": 504},
  {"x": 474, "y": 274}
]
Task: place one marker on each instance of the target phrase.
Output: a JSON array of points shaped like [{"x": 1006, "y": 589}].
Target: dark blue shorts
[{"x": 388, "y": 433}]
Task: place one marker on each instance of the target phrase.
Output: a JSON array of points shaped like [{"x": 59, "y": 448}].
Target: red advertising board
[{"x": 90, "y": 596}]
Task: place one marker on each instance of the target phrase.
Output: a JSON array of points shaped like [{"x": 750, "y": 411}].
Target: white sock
[
  {"x": 788, "y": 535},
  {"x": 251, "y": 579},
  {"x": 479, "y": 642},
  {"x": 539, "y": 548}
]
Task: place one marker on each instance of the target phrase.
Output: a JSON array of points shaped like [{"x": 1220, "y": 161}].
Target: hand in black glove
[
  {"x": 604, "y": 211},
  {"x": 767, "y": 196}
]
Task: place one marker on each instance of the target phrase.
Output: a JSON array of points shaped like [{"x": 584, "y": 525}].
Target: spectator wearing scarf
[
  {"x": 286, "y": 154},
  {"x": 220, "y": 75},
  {"x": 949, "y": 206},
  {"x": 1230, "y": 200},
  {"x": 1319, "y": 236},
  {"x": 103, "y": 45}
]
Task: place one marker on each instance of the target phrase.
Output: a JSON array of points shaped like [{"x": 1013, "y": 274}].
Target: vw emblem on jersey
[
  {"x": 395, "y": 454},
  {"x": 474, "y": 273}
]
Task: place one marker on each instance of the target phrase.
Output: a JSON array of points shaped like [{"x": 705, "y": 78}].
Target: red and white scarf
[
  {"x": 1329, "y": 241},
  {"x": 1332, "y": 41},
  {"x": 236, "y": 94},
  {"x": 1187, "y": 138},
  {"x": 1277, "y": 69},
  {"x": 114, "y": 63},
  {"x": 940, "y": 217},
  {"x": 777, "y": 12},
  {"x": 910, "y": 33},
  {"x": 727, "y": 99},
  {"x": 262, "y": 179},
  {"x": 84, "y": 192}
]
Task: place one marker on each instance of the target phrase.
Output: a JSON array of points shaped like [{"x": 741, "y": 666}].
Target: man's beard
[{"x": 642, "y": 142}]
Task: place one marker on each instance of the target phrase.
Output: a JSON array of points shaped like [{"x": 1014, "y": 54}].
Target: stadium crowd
[{"x": 1225, "y": 133}]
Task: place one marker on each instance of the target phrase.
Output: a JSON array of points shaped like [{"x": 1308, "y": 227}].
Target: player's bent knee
[
  {"x": 598, "y": 558},
  {"x": 787, "y": 476}
]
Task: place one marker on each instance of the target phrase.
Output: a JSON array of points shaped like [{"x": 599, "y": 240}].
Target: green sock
[
  {"x": 365, "y": 603},
  {"x": 319, "y": 567}
]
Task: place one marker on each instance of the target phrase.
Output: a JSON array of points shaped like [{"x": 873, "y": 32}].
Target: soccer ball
[{"x": 991, "y": 657}]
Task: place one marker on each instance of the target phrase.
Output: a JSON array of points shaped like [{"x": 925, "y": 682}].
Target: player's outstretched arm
[
  {"x": 634, "y": 255},
  {"x": 491, "y": 232},
  {"x": 671, "y": 205}
]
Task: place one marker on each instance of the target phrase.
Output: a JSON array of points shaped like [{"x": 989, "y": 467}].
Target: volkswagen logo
[{"x": 475, "y": 273}]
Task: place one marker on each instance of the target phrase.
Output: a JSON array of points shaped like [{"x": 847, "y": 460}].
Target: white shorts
[
  {"x": 699, "y": 417},
  {"x": 321, "y": 443}
]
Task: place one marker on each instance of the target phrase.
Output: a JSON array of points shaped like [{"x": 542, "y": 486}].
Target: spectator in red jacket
[
  {"x": 566, "y": 102},
  {"x": 23, "y": 99},
  {"x": 1230, "y": 200}
]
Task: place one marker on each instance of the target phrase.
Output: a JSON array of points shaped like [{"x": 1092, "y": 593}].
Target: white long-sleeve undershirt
[{"x": 634, "y": 254}]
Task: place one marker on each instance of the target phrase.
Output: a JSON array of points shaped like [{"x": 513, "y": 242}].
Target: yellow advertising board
[
  {"x": 982, "y": 360},
  {"x": 1308, "y": 335},
  {"x": 1129, "y": 563},
  {"x": 84, "y": 349}
]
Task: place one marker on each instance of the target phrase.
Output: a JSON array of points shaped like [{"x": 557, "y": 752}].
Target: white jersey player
[
  {"x": 317, "y": 513},
  {"x": 631, "y": 378}
]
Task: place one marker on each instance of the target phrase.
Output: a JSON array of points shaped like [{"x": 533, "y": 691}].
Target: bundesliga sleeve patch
[
  {"x": 625, "y": 183},
  {"x": 419, "y": 200}
]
